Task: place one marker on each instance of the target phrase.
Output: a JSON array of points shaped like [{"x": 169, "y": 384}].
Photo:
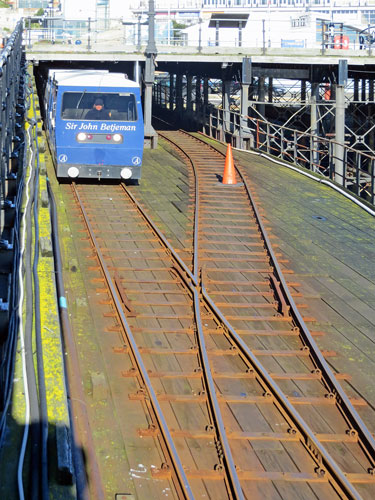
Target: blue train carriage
[{"x": 94, "y": 124}]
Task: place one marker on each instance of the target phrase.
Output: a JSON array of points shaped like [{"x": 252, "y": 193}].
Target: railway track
[{"x": 225, "y": 381}]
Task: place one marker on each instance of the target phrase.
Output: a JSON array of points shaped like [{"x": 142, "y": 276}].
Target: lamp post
[
  {"x": 89, "y": 33},
  {"x": 50, "y": 23},
  {"x": 200, "y": 36}
]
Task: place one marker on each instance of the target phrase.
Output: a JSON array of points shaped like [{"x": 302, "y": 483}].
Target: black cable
[
  {"x": 78, "y": 458},
  {"x": 30, "y": 369},
  {"x": 43, "y": 415}
]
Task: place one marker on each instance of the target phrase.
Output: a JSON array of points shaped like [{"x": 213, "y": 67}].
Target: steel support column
[
  {"x": 262, "y": 96},
  {"x": 244, "y": 113},
  {"x": 226, "y": 104},
  {"x": 205, "y": 91},
  {"x": 198, "y": 96},
  {"x": 270, "y": 89},
  {"x": 371, "y": 114},
  {"x": 189, "y": 94},
  {"x": 150, "y": 53},
  {"x": 179, "y": 99},
  {"x": 339, "y": 135},
  {"x": 314, "y": 126}
]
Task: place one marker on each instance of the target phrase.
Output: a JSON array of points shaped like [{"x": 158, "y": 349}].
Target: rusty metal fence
[
  {"x": 347, "y": 166},
  {"x": 354, "y": 170}
]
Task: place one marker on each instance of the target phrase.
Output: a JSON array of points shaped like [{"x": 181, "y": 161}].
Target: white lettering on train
[
  {"x": 88, "y": 126},
  {"x": 107, "y": 127},
  {"x": 71, "y": 126},
  {"x": 112, "y": 127}
]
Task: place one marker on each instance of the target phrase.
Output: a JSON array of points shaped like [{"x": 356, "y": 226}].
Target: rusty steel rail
[
  {"x": 216, "y": 416},
  {"x": 335, "y": 388},
  {"x": 325, "y": 470},
  {"x": 288, "y": 306},
  {"x": 180, "y": 480}
]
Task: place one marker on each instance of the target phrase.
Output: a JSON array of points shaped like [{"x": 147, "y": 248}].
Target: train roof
[{"x": 90, "y": 78}]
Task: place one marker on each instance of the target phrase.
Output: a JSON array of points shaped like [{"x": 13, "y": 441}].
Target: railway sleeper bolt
[
  {"x": 305, "y": 348},
  {"x": 292, "y": 431},
  {"x": 202, "y": 393},
  {"x": 218, "y": 467},
  {"x": 209, "y": 428},
  {"x": 371, "y": 470},
  {"x": 249, "y": 370},
  {"x": 320, "y": 471},
  {"x": 317, "y": 371},
  {"x": 352, "y": 432},
  {"x": 164, "y": 472},
  {"x": 198, "y": 369},
  {"x": 267, "y": 395},
  {"x": 330, "y": 395}
]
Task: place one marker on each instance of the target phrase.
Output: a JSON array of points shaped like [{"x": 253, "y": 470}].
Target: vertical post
[
  {"x": 356, "y": 90},
  {"x": 240, "y": 34},
  {"x": 136, "y": 72},
  {"x": 371, "y": 141},
  {"x": 314, "y": 144},
  {"x": 363, "y": 89},
  {"x": 150, "y": 53},
  {"x": 226, "y": 105},
  {"x": 205, "y": 91},
  {"x": 369, "y": 39},
  {"x": 262, "y": 96},
  {"x": 171, "y": 91},
  {"x": 270, "y": 89},
  {"x": 200, "y": 36},
  {"x": 198, "y": 99},
  {"x": 264, "y": 36},
  {"x": 324, "y": 29},
  {"x": 340, "y": 122},
  {"x": 217, "y": 34},
  {"x": 169, "y": 25},
  {"x": 189, "y": 97},
  {"x": 139, "y": 34},
  {"x": 89, "y": 33},
  {"x": 245, "y": 84},
  {"x": 179, "y": 99},
  {"x": 29, "y": 34},
  {"x": 244, "y": 112},
  {"x": 303, "y": 90}
]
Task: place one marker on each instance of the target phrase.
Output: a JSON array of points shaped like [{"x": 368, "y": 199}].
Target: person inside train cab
[{"x": 98, "y": 111}]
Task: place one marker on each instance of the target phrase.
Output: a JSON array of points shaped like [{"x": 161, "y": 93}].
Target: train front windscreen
[{"x": 98, "y": 106}]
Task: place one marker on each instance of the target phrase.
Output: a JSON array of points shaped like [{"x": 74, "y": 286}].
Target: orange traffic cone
[{"x": 229, "y": 176}]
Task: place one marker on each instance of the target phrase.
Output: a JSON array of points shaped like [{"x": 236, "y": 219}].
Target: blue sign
[
  {"x": 78, "y": 42},
  {"x": 293, "y": 44}
]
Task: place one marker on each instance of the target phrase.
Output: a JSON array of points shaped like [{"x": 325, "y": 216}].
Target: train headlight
[
  {"x": 117, "y": 137},
  {"x": 73, "y": 172},
  {"x": 108, "y": 137},
  {"x": 81, "y": 136},
  {"x": 126, "y": 173}
]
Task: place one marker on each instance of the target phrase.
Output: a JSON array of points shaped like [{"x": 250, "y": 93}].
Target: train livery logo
[
  {"x": 136, "y": 160},
  {"x": 63, "y": 158}
]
